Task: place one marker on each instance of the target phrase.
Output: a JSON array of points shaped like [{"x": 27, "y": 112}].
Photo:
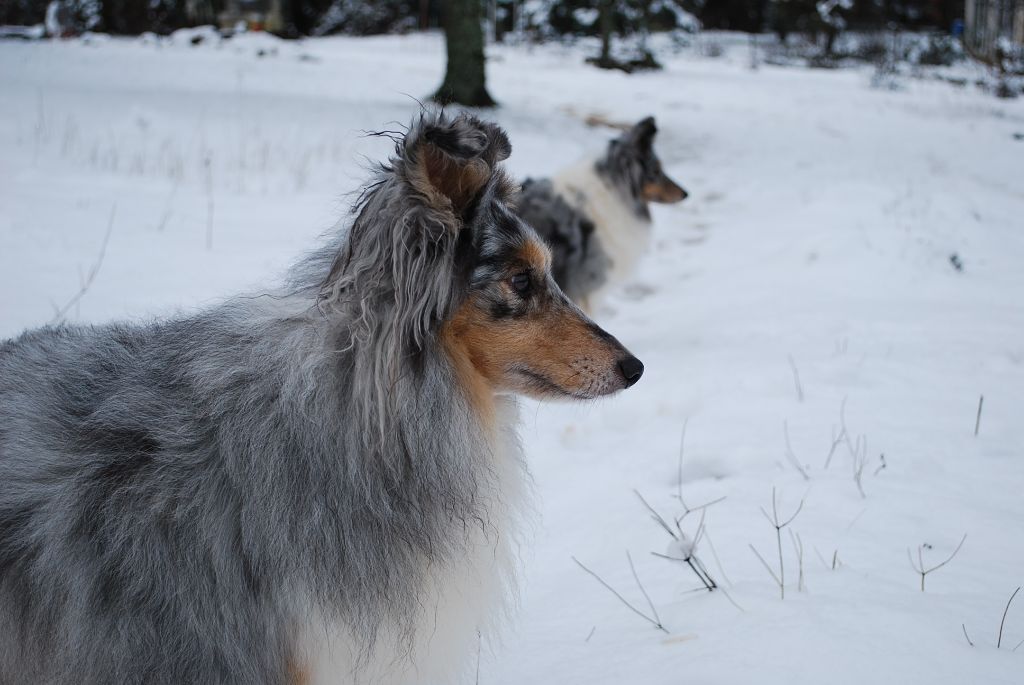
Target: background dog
[
  {"x": 595, "y": 216},
  {"x": 317, "y": 484}
]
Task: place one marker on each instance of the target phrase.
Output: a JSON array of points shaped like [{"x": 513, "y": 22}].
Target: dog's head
[
  {"x": 631, "y": 160},
  {"x": 516, "y": 327},
  {"x": 455, "y": 265}
]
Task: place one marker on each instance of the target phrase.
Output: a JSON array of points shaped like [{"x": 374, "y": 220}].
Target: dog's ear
[
  {"x": 642, "y": 134},
  {"x": 450, "y": 161}
]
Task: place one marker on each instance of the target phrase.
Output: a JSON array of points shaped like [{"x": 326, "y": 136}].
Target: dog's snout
[{"x": 631, "y": 368}]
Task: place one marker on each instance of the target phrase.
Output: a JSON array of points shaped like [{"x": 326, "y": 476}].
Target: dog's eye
[{"x": 520, "y": 283}]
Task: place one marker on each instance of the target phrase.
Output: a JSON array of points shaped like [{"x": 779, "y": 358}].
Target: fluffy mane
[{"x": 272, "y": 458}]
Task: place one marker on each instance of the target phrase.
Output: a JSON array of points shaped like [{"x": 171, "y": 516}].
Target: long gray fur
[{"x": 174, "y": 495}]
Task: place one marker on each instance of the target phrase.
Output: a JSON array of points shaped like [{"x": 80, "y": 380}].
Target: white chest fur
[
  {"x": 461, "y": 599},
  {"x": 624, "y": 236}
]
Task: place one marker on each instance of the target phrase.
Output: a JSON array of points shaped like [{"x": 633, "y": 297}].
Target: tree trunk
[
  {"x": 464, "y": 80},
  {"x": 605, "y": 23}
]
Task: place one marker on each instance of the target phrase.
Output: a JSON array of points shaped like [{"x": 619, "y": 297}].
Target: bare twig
[
  {"x": 689, "y": 557},
  {"x": 718, "y": 562},
  {"x": 682, "y": 446},
  {"x": 977, "y": 421},
  {"x": 837, "y": 439},
  {"x": 640, "y": 585},
  {"x": 733, "y": 601},
  {"x": 966, "y": 635},
  {"x": 766, "y": 565},
  {"x": 789, "y": 452},
  {"x": 841, "y": 436},
  {"x": 779, "y": 525},
  {"x": 590, "y": 634},
  {"x": 658, "y": 518},
  {"x": 798, "y": 548},
  {"x": 679, "y": 474},
  {"x": 479, "y": 647},
  {"x": 796, "y": 379},
  {"x": 882, "y": 466},
  {"x": 653, "y": 621},
  {"x": 919, "y": 567},
  {"x": 87, "y": 282},
  {"x": 999, "y": 641},
  {"x": 859, "y": 462}
]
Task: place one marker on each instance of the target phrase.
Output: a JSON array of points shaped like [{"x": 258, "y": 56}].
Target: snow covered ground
[{"x": 810, "y": 269}]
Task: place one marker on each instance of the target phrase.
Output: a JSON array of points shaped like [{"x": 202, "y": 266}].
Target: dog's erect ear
[
  {"x": 452, "y": 160},
  {"x": 642, "y": 135}
]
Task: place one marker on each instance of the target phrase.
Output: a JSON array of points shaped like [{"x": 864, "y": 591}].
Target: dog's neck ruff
[
  {"x": 461, "y": 598},
  {"x": 623, "y": 233}
]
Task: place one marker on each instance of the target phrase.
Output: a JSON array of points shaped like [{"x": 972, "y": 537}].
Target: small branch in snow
[
  {"x": 919, "y": 567},
  {"x": 679, "y": 484},
  {"x": 966, "y": 635},
  {"x": 718, "y": 562},
  {"x": 859, "y": 462},
  {"x": 655, "y": 515},
  {"x": 653, "y": 621},
  {"x": 640, "y": 585},
  {"x": 882, "y": 466},
  {"x": 798, "y": 548},
  {"x": 590, "y": 634},
  {"x": 977, "y": 421},
  {"x": 999, "y": 641},
  {"x": 796, "y": 379},
  {"x": 479, "y": 646},
  {"x": 835, "y": 560},
  {"x": 789, "y": 452},
  {"x": 682, "y": 448},
  {"x": 767, "y": 566},
  {"x": 840, "y": 437},
  {"x": 682, "y": 543},
  {"x": 86, "y": 282},
  {"x": 778, "y": 525}
]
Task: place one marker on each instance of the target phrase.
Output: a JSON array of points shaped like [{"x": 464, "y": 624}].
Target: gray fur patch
[{"x": 172, "y": 495}]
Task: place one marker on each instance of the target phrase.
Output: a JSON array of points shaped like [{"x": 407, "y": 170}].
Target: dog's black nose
[{"x": 631, "y": 368}]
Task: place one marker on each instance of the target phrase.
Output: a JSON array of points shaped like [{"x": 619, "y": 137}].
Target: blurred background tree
[{"x": 465, "y": 78}]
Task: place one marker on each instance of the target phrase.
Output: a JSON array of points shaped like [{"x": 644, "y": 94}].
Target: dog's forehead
[
  {"x": 501, "y": 232},
  {"x": 503, "y": 239}
]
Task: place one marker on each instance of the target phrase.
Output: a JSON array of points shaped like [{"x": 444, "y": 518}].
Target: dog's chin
[{"x": 540, "y": 387}]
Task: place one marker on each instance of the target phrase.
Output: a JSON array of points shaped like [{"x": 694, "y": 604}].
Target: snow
[{"x": 814, "y": 251}]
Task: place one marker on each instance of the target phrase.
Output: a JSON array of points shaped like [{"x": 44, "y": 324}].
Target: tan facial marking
[
  {"x": 460, "y": 348},
  {"x": 666, "y": 191},
  {"x": 536, "y": 255},
  {"x": 548, "y": 352}
]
